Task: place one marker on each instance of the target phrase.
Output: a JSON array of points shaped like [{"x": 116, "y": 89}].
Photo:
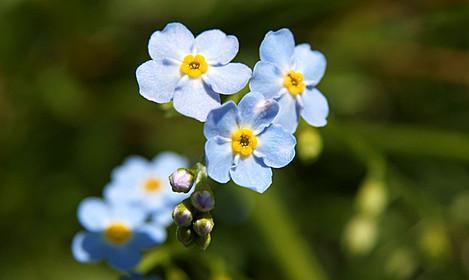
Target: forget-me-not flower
[
  {"x": 243, "y": 144},
  {"x": 116, "y": 233},
  {"x": 145, "y": 183},
  {"x": 289, "y": 74},
  {"x": 191, "y": 71}
]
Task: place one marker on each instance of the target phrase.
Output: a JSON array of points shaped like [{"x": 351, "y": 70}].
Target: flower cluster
[
  {"x": 244, "y": 141},
  {"x": 133, "y": 215}
]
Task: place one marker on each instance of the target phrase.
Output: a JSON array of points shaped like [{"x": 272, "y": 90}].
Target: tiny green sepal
[
  {"x": 204, "y": 241},
  {"x": 185, "y": 235}
]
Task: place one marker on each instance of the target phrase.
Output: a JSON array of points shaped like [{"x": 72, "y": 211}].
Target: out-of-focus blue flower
[
  {"x": 162, "y": 217},
  {"x": 289, "y": 74},
  {"x": 243, "y": 144},
  {"x": 116, "y": 233},
  {"x": 191, "y": 71},
  {"x": 145, "y": 183}
]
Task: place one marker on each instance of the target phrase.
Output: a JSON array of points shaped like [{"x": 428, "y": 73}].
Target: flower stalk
[{"x": 195, "y": 223}]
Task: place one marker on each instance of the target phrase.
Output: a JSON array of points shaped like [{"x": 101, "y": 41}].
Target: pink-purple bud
[
  {"x": 203, "y": 200},
  {"x": 182, "y": 215},
  {"x": 203, "y": 226},
  {"x": 181, "y": 180}
]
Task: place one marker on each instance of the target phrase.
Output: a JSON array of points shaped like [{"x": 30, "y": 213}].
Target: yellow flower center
[
  {"x": 118, "y": 233},
  {"x": 293, "y": 82},
  {"x": 243, "y": 142},
  {"x": 194, "y": 66},
  {"x": 152, "y": 185}
]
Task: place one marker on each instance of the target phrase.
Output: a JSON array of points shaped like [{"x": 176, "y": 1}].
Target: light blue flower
[
  {"x": 114, "y": 233},
  {"x": 146, "y": 183},
  {"x": 191, "y": 71},
  {"x": 289, "y": 74},
  {"x": 243, "y": 144}
]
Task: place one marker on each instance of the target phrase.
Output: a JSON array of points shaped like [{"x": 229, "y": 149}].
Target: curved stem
[{"x": 280, "y": 234}]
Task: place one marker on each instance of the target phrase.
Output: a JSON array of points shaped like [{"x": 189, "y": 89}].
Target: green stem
[
  {"x": 159, "y": 256},
  {"x": 281, "y": 236}
]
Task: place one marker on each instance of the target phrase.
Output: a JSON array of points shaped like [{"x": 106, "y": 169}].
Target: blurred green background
[{"x": 382, "y": 192}]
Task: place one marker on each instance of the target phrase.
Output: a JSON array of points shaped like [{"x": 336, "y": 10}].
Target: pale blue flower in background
[
  {"x": 145, "y": 183},
  {"x": 162, "y": 217},
  {"x": 191, "y": 71},
  {"x": 243, "y": 144},
  {"x": 290, "y": 74},
  {"x": 114, "y": 233}
]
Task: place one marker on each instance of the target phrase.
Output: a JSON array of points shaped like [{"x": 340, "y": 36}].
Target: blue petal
[
  {"x": 222, "y": 121},
  {"x": 124, "y": 258},
  {"x": 168, "y": 162},
  {"x": 250, "y": 172},
  {"x": 133, "y": 195},
  {"x": 116, "y": 193},
  {"x": 156, "y": 201},
  {"x": 276, "y": 146},
  {"x": 311, "y": 63},
  {"x": 315, "y": 108},
  {"x": 256, "y": 112},
  {"x": 148, "y": 236},
  {"x": 216, "y": 47},
  {"x": 173, "y": 198},
  {"x": 132, "y": 215},
  {"x": 157, "y": 81},
  {"x": 163, "y": 166},
  {"x": 219, "y": 159},
  {"x": 125, "y": 180},
  {"x": 277, "y": 47},
  {"x": 228, "y": 79},
  {"x": 163, "y": 217},
  {"x": 133, "y": 167},
  {"x": 173, "y": 42},
  {"x": 267, "y": 79},
  {"x": 194, "y": 99},
  {"x": 93, "y": 214},
  {"x": 288, "y": 115},
  {"x": 88, "y": 247}
]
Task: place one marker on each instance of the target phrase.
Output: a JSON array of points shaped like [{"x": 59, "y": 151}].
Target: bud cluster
[
  {"x": 193, "y": 224},
  {"x": 192, "y": 216}
]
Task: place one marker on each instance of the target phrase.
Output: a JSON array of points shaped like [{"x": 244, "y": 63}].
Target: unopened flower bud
[
  {"x": 203, "y": 200},
  {"x": 204, "y": 241},
  {"x": 182, "y": 215},
  {"x": 203, "y": 226},
  {"x": 181, "y": 180},
  {"x": 185, "y": 235}
]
